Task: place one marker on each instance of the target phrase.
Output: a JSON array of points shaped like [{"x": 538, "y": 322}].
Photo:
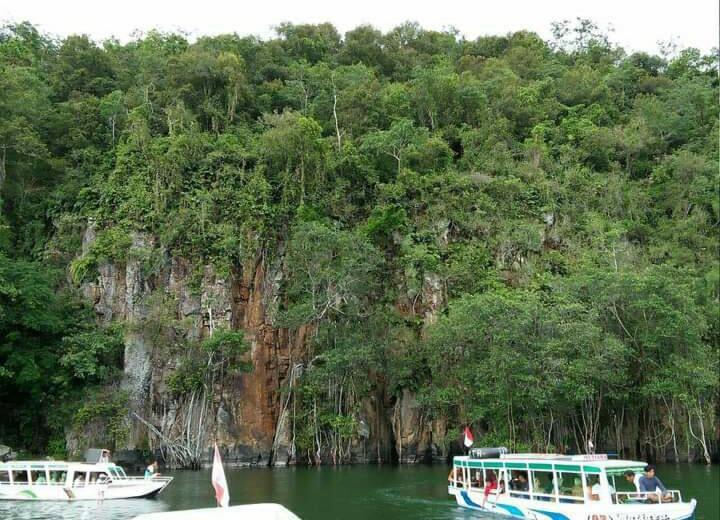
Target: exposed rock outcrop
[{"x": 248, "y": 418}]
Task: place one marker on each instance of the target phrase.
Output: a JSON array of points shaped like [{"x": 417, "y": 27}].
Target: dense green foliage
[
  {"x": 524, "y": 233},
  {"x": 51, "y": 354}
]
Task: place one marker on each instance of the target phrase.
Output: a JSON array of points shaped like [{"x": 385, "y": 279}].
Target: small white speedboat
[
  {"x": 246, "y": 512},
  {"x": 55, "y": 480}
]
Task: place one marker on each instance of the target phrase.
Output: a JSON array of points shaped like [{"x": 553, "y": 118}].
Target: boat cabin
[{"x": 66, "y": 474}]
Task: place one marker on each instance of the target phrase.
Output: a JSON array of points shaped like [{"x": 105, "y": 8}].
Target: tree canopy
[{"x": 523, "y": 232}]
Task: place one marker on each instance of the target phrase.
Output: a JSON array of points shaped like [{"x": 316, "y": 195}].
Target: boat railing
[
  {"x": 457, "y": 482},
  {"x": 546, "y": 497},
  {"x": 629, "y": 497},
  {"x": 6, "y": 483}
]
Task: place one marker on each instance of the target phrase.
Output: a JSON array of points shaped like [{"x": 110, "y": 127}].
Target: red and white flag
[
  {"x": 468, "y": 437},
  {"x": 222, "y": 495}
]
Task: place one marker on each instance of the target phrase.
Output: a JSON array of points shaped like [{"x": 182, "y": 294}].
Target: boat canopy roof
[
  {"x": 56, "y": 464},
  {"x": 550, "y": 462}
]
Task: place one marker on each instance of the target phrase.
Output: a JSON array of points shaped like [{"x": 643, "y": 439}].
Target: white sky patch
[{"x": 637, "y": 24}]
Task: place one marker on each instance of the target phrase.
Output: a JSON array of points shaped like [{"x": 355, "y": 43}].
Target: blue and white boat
[{"x": 558, "y": 487}]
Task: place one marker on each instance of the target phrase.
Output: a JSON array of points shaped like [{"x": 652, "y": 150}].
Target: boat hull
[
  {"x": 112, "y": 491},
  {"x": 541, "y": 510}
]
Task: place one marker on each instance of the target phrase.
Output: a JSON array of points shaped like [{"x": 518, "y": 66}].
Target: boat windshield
[{"x": 117, "y": 472}]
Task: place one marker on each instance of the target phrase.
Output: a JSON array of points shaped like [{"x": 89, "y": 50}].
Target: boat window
[
  {"x": 571, "y": 487},
  {"x": 98, "y": 477},
  {"x": 519, "y": 484},
  {"x": 38, "y": 476},
  {"x": 79, "y": 479},
  {"x": 476, "y": 478},
  {"x": 543, "y": 485},
  {"x": 57, "y": 477},
  {"x": 20, "y": 476},
  {"x": 621, "y": 484},
  {"x": 4, "y": 476}
]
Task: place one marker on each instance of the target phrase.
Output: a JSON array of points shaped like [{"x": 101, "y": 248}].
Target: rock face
[{"x": 248, "y": 420}]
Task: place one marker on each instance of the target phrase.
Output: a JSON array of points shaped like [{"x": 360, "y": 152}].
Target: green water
[{"x": 346, "y": 493}]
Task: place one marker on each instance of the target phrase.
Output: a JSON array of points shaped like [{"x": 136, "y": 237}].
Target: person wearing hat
[{"x": 650, "y": 484}]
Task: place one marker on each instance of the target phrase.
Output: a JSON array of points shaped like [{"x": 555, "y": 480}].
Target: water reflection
[{"x": 86, "y": 510}]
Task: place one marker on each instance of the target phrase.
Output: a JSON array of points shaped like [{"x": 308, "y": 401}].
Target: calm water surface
[{"x": 347, "y": 493}]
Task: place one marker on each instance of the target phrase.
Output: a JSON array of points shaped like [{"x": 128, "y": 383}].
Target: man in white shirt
[{"x": 595, "y": 488}]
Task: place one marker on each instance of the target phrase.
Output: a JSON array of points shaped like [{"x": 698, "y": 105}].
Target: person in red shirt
[{"x": 491, "y": 484}]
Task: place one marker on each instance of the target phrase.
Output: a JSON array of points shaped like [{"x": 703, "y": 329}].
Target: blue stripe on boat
[
  {"x": 551, "y": 514},
  {"x": 514, "y": 511},
  {"x": 468, "y": 500}
]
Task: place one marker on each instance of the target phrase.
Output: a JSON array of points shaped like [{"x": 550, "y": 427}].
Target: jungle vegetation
[{"x": 523, "y": 233}]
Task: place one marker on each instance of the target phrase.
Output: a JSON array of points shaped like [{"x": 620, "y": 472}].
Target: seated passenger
[
  {"x": 522, "y": 483},
  {"x": 594, "y": 483},
  {"x": 650, "y": 484},
  {"x": 478, "y": 479},
  {"x": 456, "y": 477},
  {"x": 40, "y": 479},
  {"x": 152, "y": 470},
  {"x": 633, "y": 479},
  {"x": 577, "y": 488},
  {"x": 549, "y": 488}
]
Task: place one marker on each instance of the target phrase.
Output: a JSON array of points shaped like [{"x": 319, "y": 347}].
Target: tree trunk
[
  {"x": 335, "y": 116},
  {"x": 3, "y": 171}
]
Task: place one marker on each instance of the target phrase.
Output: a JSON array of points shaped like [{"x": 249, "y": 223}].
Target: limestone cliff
[{"x": 247, "y": 416}]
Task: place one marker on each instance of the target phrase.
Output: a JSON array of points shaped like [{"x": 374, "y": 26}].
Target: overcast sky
[{"x": 637, "y": 24}]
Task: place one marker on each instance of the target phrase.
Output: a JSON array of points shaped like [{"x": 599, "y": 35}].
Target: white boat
[
  {"x": 51, "y": 480},
  {"x": 556, "y": 487},
  {"x": 246, "y": 512}
]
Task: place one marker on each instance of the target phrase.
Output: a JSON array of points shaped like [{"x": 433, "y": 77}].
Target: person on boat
[
  {"x": 590, "y": 447},
  {"x": 650, "y": 484},
  {"x": 455, "y": 475},
  {"x": 594, "y": 483},
  {"x": 549, "y": 488},
  {"x": 490, "y": 486},
  {"x": 105, "y": 456},
  {"x": 634, "y": 479},
  {"x": 521, "y": 483},
  {"x": 40, "y": 478},
  {"x": 577, "y": 488},
  {"x": 152, "y": 470}
]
